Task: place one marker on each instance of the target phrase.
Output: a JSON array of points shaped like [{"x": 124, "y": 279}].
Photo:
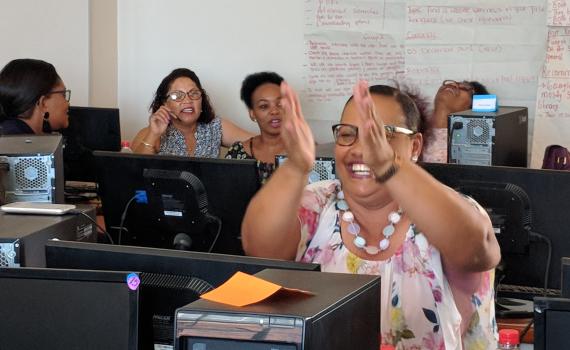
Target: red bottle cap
[
  {"x": 509, "y": 337},
  {"x": 125, "y": 144}
]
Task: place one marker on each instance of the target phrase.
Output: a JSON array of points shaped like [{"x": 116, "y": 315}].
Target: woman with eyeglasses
[
  {"x": 434, "y": 248},
  {"x": 262, "y": 95},
  {"x": 452, "y": 97},
  {"x": 33, "y": 98},
  {"x": 183, "y": 121}
]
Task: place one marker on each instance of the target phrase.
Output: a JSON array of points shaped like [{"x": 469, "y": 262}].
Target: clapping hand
[
  {"x": 296, "y": 133},
  {"x": 377, "y": 152}
]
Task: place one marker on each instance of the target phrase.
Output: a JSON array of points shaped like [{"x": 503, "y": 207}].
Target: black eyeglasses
[
  {"x": 178, "y": 96},
  {"x": 66, "y": 94},
  {"x": 346, "y": 134},
  {"x": 461, "y": 85}
]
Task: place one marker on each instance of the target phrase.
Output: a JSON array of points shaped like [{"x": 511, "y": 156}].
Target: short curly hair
[
  {"x": 208, "y": 113},
  {"x": 253, "y": 81}
]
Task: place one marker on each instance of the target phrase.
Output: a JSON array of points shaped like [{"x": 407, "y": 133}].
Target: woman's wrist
[{"x": 387, "y": 172}]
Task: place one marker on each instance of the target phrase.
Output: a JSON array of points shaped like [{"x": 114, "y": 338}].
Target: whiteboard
[
  {"x": 502, "y": 44},
  {"x": 56, "y": 31}
]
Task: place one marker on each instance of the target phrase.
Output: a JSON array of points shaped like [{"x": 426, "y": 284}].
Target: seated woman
[
  {"x": 33, "y": 98},
  {"x": 261, "y": 94},
  {"x": 434, "y": 248},
  {"x": 183, "y": 121},
  {"x": 451, "y": 97}
]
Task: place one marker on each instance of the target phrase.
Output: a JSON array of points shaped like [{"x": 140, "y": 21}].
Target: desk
[{"x": 518, "y": 324}]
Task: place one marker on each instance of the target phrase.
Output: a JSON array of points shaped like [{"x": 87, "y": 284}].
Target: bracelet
[
  {"x": 148, "y": 145},
  {"x": 392, "y": 170}
]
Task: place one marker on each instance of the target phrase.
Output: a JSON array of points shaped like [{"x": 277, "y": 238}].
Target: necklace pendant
[
  {"x": 359, "y": 242},
  {"x": 353, "y": 229},
  {"x": 384, "y": 244},
  {"x": 371, "y": 250}
]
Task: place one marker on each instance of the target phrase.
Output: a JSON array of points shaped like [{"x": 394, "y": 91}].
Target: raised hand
[
  {"x": 296, "y": 133},
  {"x": 159, "y": 120},
  {"x": 376, "y": 150}
]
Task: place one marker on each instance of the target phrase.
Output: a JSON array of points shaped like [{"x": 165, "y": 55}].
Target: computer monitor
[
  {"x": 551, "y": 320},
  {"x": 168, "y": 213},
  {"x": 67, "y": 309},
  {"x": 90, "y": 129},
  {"x": 169, "y": 278},
  {"x": 529, "y": 208}
]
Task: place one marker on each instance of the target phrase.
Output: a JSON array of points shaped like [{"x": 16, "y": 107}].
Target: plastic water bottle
[
  {"x": 508, "y": 339},
  {"x": 126, "y": 147}
]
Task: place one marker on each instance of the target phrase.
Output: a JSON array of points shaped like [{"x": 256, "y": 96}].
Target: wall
[
  {"x": 56, "y": 31},
  {"x": 103, "y": 58}
]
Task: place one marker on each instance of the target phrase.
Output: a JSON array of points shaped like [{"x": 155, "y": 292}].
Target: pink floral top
[{"x": 418, "y": 308}]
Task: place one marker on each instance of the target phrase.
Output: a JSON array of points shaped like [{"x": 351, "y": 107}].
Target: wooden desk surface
[{"x": 518, "y": 324}]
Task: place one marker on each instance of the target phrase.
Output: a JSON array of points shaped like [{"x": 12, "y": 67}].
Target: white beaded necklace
[{"x": 354, "y": 229}]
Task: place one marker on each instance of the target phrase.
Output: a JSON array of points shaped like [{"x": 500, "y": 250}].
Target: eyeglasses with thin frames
[
  {"x": 178, "y": 96},
  {"x": 66, "y": 94},
  {"x": 346, "y": 134},
  {"x": 460, "y": 85}
]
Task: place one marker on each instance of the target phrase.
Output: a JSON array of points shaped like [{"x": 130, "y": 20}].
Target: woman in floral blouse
[
  {"x": 260, "y": 93},
  {"x": 434, "y": 248}
]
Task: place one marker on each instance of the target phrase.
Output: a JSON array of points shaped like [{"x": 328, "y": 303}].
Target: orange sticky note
[{"x": 243, "y": 289}]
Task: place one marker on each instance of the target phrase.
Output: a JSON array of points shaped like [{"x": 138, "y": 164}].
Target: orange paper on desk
[{"x": 243, "y": 289}]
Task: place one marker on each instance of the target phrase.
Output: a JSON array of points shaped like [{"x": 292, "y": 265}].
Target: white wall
[
  {"x": 56, "y": 31},
  {"x": 220, "y": 40}
]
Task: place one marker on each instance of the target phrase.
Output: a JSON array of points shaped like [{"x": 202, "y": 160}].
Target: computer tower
[
  {"x": 23, "y": 236},
  {"x": 34, "y": 168},
  {"x": 323, "y": 169},
  {"x": 489, "y": 138},
  {"x": 343, "y": 313}
]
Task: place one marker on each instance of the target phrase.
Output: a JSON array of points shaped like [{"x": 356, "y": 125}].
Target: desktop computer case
[
  {"x": 23, "y": 236},
  {"x": 35, "y": 168},
  {"x": 489, "y": 138},
  {"x": 343, "y": 314}
]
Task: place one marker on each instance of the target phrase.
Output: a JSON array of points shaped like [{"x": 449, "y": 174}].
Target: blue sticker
[{"x": 133, "y": 281}]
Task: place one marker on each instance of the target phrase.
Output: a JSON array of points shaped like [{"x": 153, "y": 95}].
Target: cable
[
  {"x": 543, "y": 238},
  {"x": 216, "y": 219},
  {"x": 123, "y": 216},
  {"x": 80, "y": 212}
]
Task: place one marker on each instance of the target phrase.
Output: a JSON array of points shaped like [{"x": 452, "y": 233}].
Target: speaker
[
  {"x": 34, "y": 168},
  {"x": 489, "y": 138},
  {"x": 324, "y": 168}
]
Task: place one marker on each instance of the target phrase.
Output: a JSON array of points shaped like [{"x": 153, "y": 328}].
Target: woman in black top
[
  {"x": 262, "y": 95},
  {"x": 33, "y": 98}
]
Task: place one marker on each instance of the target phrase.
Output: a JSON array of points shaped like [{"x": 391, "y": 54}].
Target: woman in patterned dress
[
  {"x": 261, "y": 94},
  {"x": 434, "y": 249},
  {"x": 183, "y": 121}
]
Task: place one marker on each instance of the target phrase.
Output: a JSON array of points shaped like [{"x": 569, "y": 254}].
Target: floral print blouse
[
  {"x": 418, "y": 310},
  {"x": 208, "y": 140}
]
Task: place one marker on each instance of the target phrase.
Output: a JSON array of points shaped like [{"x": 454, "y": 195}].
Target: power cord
[
  {"x": 81, "y": 212},
  {"x": 219, "y": 222},
  {"x": 141, "y": 197},
  {"x": 540, "y": 237}
]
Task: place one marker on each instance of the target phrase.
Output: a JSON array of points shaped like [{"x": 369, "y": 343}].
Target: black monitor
[
  {"x": 67, "y": 309},
  {"x": 193, "y": 203},
  {"x": 530, "y": 213},
  {"x": 90, "y": 129},
  {"x": 551, "y": 320},
  {"x": 169, "y": 278}
]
